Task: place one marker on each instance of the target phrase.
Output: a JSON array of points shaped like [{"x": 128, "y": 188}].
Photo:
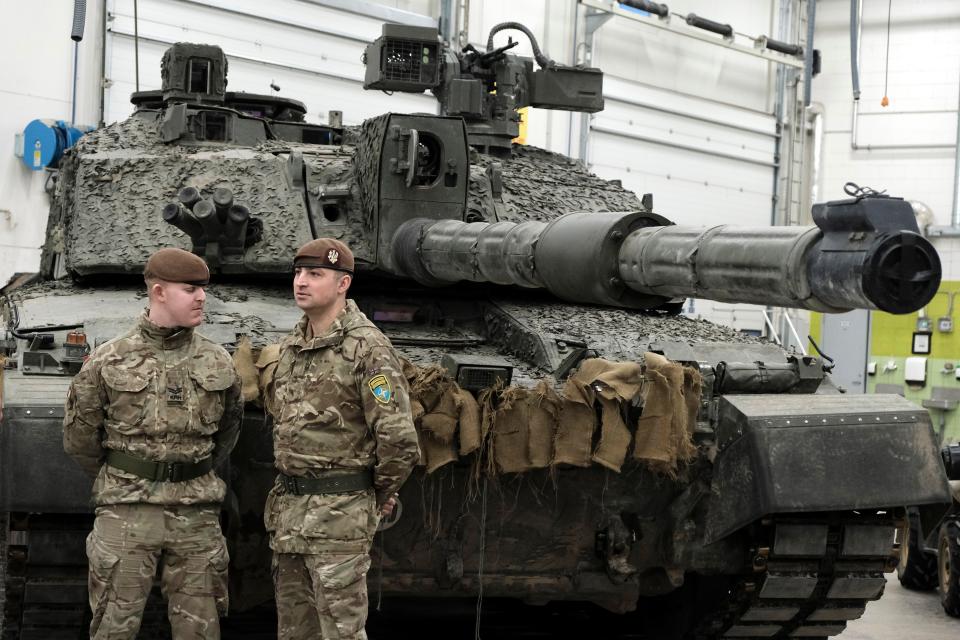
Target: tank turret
[
  {"x": 862, "y": 253},
  {"x": 434, "y": 199}
]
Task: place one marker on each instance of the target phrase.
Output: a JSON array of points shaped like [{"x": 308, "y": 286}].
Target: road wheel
[
  {"x": 917, "y": 568},
  {"x": 948, "y": 565}
]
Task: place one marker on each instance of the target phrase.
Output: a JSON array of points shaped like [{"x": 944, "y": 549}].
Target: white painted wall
[
  {"x": 924, "y": 74},
  {"x": 36, "y": 81}
]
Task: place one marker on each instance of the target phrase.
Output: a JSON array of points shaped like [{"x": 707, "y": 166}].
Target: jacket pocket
[
  {"x": 127, "y": 390},
  {"x": 344, "y": 517},
  {"x": 210, "y": 385}
]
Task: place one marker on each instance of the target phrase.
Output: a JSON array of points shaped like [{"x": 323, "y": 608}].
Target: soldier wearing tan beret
[
  {"x": 344, "y": 443},
  {"x": 151, "y": 415}
]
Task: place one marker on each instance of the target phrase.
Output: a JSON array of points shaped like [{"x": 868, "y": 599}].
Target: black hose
[
  {"x": 649, "y": 6},
  {"x": 784, "y": 47},
  {"x": 541, "y": 59},
  {"x": 821, "y": 353},
  {"x": 724, "y": 30},
  {"x": 30, "y": 333}
]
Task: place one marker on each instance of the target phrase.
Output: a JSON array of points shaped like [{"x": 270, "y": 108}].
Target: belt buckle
[
  {"x": 291, "y": 485},
  {"x": 173, "y": 472}
]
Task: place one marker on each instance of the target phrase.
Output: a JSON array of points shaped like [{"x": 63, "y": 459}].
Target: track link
[
  {"x": 811, "y": 574},
  {"x": 45, "y": 581}
]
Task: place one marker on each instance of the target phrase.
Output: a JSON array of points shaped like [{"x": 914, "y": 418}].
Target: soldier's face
[
  {"x": 316, "y": 289},
  {"x": 182, "y": 303}
]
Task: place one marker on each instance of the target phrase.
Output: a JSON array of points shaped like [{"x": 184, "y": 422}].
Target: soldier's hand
[{"x": 388, "y": 507}]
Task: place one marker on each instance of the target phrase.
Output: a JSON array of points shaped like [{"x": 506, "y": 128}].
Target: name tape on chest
[{"x": 380, "y": 388}]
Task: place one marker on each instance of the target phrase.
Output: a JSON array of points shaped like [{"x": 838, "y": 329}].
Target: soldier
[
  {"x": 344, "y": 443},
  {"x": 150, "y": 415}
]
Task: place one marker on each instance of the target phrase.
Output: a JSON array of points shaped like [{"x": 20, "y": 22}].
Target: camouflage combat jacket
[
  {"x": 341, "y": 404},
  {"x": 165, "y": 394}
]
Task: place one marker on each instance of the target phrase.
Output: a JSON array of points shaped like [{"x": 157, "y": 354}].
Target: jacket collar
[
  {"x": 349, "y": 318},
  {"x": 164, "y": 337}
]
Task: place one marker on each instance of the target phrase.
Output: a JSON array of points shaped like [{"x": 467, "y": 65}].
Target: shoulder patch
[{"x": 380, "y": 388}]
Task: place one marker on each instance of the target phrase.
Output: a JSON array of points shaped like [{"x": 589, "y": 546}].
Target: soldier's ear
[
  {"x": 157, "y": 292},
  {"x": 344, "y": 283}
]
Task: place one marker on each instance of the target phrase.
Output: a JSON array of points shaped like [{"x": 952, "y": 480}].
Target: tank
[{"x": 591, "y": 458}]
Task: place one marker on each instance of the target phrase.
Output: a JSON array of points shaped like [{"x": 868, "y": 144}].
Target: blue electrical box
[{"x": 44, "y": 142}]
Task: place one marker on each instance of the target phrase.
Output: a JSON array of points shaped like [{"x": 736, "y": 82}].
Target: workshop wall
[
  {"x": 921, "y": 81},
  {"x": 892, "y": 343},
  {"x": 921, "y": 119},
  {"x": 692, "y": 123}
]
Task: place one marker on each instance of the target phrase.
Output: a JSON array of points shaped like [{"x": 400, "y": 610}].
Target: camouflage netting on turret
[
  {"x": 517, "y": 429},
  {"x": 537, "y": 184},
  {"x": 125, "y": 175}
]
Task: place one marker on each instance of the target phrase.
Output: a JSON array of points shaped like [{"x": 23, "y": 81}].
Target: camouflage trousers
[
  {"x": 127, "y": 543},
  {"x": 321, "y": 596}
]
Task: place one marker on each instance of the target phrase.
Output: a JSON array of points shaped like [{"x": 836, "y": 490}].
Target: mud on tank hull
[{"x": 780, "y": 518}]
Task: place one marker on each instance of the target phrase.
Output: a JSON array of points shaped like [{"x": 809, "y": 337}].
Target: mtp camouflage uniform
[
  {"x": 167, "y": 396},
  {"x": 342, "y": 417}
]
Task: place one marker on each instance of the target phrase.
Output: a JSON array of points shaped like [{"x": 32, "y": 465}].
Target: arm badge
[{"x": 380, "y": 387}]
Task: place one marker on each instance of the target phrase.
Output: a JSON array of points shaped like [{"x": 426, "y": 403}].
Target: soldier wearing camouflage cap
[
  {"x": 151, "y": 415},
  {"x": 344, "y": 443}
]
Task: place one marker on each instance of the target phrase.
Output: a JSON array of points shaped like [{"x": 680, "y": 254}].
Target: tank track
[
  {"x": 44, "y": 597},
  {"x": 44, "y": 574},
  {"x": 811, "y": 596},
  {"x": 3, "y": 574}
]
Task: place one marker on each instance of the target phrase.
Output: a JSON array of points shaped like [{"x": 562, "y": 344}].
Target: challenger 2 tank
[{"x": 591, "y": 460}]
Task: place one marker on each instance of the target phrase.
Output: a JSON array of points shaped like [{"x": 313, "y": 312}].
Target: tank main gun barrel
[{"x": 864, "y": 253}]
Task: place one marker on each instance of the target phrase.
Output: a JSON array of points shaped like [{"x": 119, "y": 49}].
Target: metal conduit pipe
[
  {"x": 856, "y": 146},
  {"x": 854, "y": 47},
  {"x": 955, "y": 215}
]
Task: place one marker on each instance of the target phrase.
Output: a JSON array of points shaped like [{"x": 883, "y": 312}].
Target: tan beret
[
  {"x": 177, "y": 265},
  {"x": 327, "y": 253}
]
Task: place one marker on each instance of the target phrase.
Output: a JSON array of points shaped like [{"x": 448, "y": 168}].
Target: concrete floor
[{"x": 902, "y": 614}]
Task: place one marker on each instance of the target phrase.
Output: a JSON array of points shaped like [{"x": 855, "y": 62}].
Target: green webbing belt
[
  {"x": 153, "y": 470},
  {"x": 300, "y": 486}
]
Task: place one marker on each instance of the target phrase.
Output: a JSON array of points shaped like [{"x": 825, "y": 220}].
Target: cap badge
[{"x": 333, "y": 255}]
